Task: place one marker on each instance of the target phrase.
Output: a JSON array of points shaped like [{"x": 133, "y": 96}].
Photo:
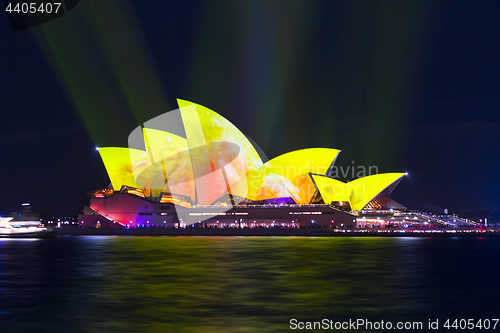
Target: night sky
[{"x": 407, "y": 86}]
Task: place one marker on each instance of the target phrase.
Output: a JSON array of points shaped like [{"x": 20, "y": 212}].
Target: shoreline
[{"x": 253, "y": 232}]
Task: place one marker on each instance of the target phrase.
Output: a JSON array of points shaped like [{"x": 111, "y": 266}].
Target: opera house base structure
[
  {"x": 192, "y": 168},
  {"x": 137, "y": 212}
]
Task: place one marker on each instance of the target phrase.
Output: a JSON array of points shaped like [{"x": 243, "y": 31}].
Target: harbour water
[{"x": 242, "y": 284}]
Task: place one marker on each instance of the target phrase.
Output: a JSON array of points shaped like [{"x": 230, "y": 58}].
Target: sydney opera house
[{"x": 192, "y": 167}]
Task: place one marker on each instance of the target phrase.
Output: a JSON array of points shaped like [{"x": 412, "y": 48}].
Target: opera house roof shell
[{"x": 197, "y": 154}]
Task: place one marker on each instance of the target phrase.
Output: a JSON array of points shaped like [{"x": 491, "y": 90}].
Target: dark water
[{"x": 255, "y": 284}]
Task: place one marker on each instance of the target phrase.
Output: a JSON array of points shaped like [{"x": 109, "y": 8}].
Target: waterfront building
[{"x": 192, "y": 167}]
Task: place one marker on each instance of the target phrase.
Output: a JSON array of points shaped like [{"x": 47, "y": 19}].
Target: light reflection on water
[{"x": 239, "y": 284}]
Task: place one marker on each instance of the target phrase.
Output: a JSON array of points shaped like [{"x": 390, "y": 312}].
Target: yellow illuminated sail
[
  {"x": 331, "y": 190},
  {"x": 163, "y": 145},
  {"x": 163, "y": 151},
  {"x": 363, "y": 190},
  {"x": 288, "y": 175},
  {"x": 221, "y": 155},
  {"x": 216, "y": 128},
  {"x": 120, "y": 163}
]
